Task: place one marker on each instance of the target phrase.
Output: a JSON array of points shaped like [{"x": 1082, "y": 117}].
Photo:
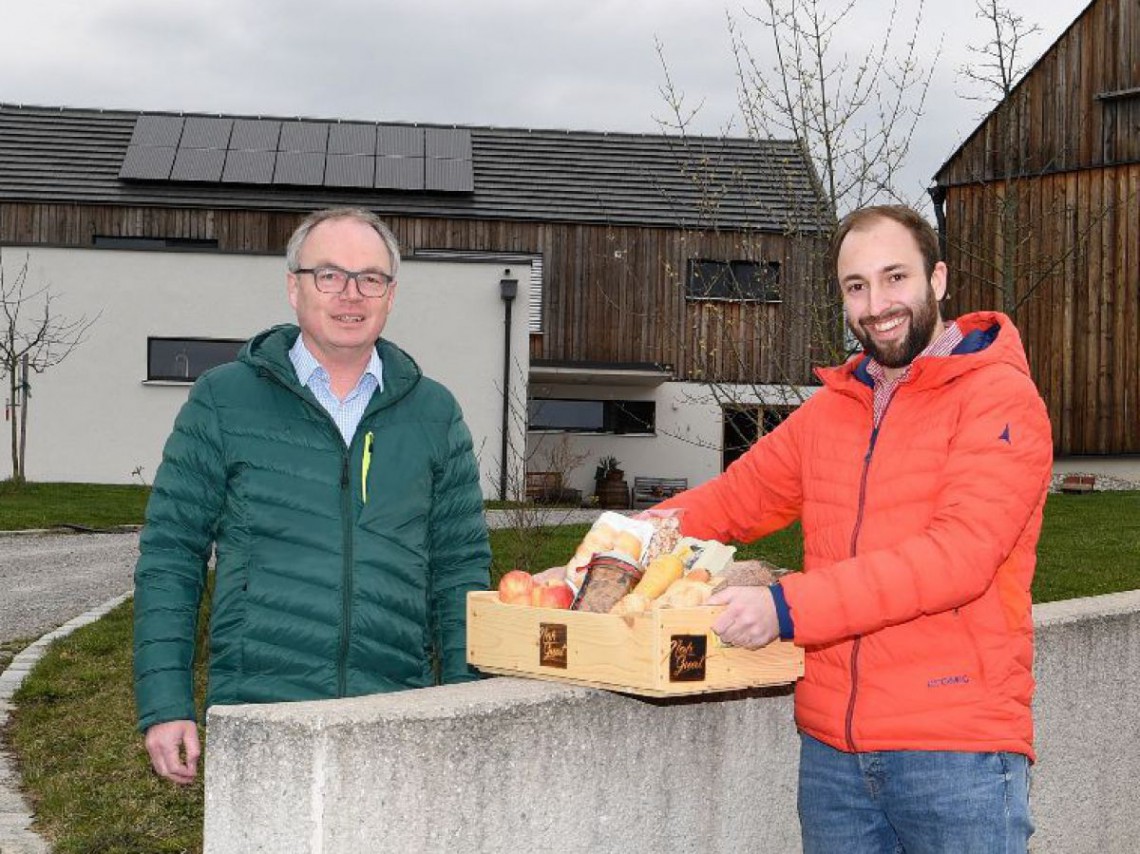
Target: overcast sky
[{"x": 584, "y": 65}]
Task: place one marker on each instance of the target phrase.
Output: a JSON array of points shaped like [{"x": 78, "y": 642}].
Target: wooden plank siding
[
  {"x": 611, "y": 293},
  {"x": 1077, "y": 295},
  {"x": 1046, "y": 191},
  {"x": 1054, "y": 117}
]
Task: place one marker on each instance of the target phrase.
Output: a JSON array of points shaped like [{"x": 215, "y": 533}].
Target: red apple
[
  {"x": 557, "y": 594},
  {"x": 515, "y": 587}
]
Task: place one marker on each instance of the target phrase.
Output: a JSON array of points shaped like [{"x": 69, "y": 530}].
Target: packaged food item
[
  {"x": 661, "y": 572},
  {"x": 747, "y": 573},
  {"x": 610, "y": 532},
  {"x": 630, "y": 604},
  {"x": 705, "y": 554},
  {"x": 666, "y": 531},
  {"x": 684, "y": 593},
  {"x": 607, "y": 578}
]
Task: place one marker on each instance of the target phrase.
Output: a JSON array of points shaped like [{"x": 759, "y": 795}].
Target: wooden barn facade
[{"x": 1040, "y": 212}]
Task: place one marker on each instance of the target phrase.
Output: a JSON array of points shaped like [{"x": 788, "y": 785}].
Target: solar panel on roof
[
  {"x": 157, "y": 130},
  {"x": 201, "y": 132},
  {"x": 249, "y": 167},
  {"x": 304, "y": 136},
  {"x": 450, "y": 176},
  {"x": 399, "y": 173},
  {"x": 255, "y": 135},
  {"x": 352, "y": 139},
  {"x": 399, "y": 141},
  {"x": 349, "y": 170},
  {"x": 452, "y": 143},
  {"x": 299, "y": 168},
  {"x": 147, "y": 163},
  {"x": 198, "y": 164}
]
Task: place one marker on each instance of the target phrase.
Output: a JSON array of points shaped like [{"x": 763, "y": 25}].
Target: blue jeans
[{"x": 913, "y": 801}]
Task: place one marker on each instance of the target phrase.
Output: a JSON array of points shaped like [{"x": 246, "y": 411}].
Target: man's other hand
[
  {"x": 174, "y": 750},
  {"x": 749, "y": 620}
]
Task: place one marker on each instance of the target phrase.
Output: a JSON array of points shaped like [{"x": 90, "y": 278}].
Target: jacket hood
[
  {"x": 269, "y": 351},
  {"x": 989, "y": 337}
]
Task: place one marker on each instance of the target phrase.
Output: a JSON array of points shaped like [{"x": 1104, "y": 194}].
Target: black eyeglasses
[{"x": 333, "y": 280}]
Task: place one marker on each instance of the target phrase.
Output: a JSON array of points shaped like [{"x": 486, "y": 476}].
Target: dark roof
[{"x": 67, "y": 155}]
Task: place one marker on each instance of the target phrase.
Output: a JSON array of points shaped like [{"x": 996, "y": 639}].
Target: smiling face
[
  {"x": 891, "y": 306},
  {"x": 340, "y": 330}
]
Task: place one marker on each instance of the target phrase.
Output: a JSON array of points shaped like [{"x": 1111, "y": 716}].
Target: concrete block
[
  {"x": 1088, "y": 729},
  {"x": 504, "y": 765},
  {"x": 511, "y": 765}
]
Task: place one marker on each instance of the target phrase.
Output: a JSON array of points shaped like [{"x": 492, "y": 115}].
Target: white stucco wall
[
  {"x": 93, "y": 418},
  {"x": 688, "y": 441}
]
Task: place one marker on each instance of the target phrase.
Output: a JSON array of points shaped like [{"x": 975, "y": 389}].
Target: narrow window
[
  {"x": 736, "y": 281},
  {"x": 186, "y": 359}
]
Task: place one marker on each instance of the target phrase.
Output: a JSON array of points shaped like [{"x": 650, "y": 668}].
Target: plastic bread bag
[{"x": 611, "y": 532}]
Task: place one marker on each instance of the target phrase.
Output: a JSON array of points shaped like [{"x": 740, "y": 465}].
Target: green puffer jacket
[{"x": 318, "y": 593}]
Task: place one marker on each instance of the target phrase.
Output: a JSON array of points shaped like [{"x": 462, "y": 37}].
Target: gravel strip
[
  {"x": 1103, "y": 482},
  {"x": 50, "y": 578}
]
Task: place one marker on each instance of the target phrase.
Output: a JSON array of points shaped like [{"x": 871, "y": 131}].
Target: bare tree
[
  {"x": 1009, "y": 258},
  {"x": 538, "y": 474},
  {"x": 33, "y": 337},
  {"x": 853, "y": 117},
  {"x": 1000, "y": 62}
]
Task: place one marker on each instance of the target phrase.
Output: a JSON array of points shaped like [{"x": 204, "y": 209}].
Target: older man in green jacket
[{"x": 339, "y": 492}]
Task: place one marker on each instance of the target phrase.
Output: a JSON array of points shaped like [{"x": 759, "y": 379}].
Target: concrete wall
[
  {"x": 94, "y": 418},
  {"x": 508, "y": 765}
]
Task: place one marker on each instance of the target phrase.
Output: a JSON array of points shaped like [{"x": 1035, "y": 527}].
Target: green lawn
[
  {"x": 86, "y": 505},
  {"x": 85, "y": 767}
]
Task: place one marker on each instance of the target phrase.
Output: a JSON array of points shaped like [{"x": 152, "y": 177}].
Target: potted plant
[{"x": 609, "y": 469}]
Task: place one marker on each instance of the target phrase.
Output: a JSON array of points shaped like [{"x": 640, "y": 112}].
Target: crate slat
[{"x": 663, "y": 653}]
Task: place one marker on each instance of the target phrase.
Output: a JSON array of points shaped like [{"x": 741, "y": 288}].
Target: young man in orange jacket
[{"x": 919, "y": 472}]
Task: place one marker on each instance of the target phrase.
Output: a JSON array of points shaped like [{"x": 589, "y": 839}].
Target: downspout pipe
[
  {"x": 508, "y": 290},
  {"x": 938, "y": 197}
]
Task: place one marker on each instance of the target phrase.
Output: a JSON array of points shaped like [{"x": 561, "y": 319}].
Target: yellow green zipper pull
[{"x": 365, "y": 463}]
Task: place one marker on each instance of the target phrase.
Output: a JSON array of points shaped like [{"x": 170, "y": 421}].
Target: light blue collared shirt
[{"x": 348, "y": 412}]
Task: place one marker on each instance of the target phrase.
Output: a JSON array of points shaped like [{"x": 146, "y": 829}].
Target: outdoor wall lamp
[{"x": 508, "y": 290}]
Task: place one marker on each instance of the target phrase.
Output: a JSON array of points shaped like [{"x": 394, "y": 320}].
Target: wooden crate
[{"x": 660, "y": 654}]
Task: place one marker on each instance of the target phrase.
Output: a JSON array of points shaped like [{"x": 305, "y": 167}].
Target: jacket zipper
[
  {"x": 346, "y": 533},
  {"x": 849, "y": 721},
  {"x": 346, "y": 587}
]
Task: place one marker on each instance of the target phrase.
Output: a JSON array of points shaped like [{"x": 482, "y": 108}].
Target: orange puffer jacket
[{"x": 919, "y": 546}]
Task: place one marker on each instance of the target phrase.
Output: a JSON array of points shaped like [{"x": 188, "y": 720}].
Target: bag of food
[{"x": 611, "y": 532}]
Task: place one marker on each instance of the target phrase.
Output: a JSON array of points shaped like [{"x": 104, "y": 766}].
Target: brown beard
[{"x": 918, "y": 338}]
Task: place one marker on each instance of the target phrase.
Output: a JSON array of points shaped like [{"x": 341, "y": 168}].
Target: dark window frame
[
  {"x": 191, "y": 372},
  {"x": 743, "y": 423},
  {"x": 618, "y": 417},
  {"x": 709, "y": 279},
  {"x": 154, "y": 244}
]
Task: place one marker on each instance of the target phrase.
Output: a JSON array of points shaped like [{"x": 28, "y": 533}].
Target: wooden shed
[{"x": 1040, "y": 213}]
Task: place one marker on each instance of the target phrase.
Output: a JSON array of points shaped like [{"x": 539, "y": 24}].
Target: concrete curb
[{"x": 16, "y": 836}]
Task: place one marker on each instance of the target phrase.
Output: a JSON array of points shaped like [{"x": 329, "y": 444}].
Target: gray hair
[{"x": 293, "y": 249}]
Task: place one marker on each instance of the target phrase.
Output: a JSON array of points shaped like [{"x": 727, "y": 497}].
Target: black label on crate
[
  {"x": 687, "y": 658},
  {"x": 552, "y": 645}
]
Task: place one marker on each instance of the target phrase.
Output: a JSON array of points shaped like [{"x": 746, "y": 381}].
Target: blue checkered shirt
[{"x": 348, "y": 412}]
